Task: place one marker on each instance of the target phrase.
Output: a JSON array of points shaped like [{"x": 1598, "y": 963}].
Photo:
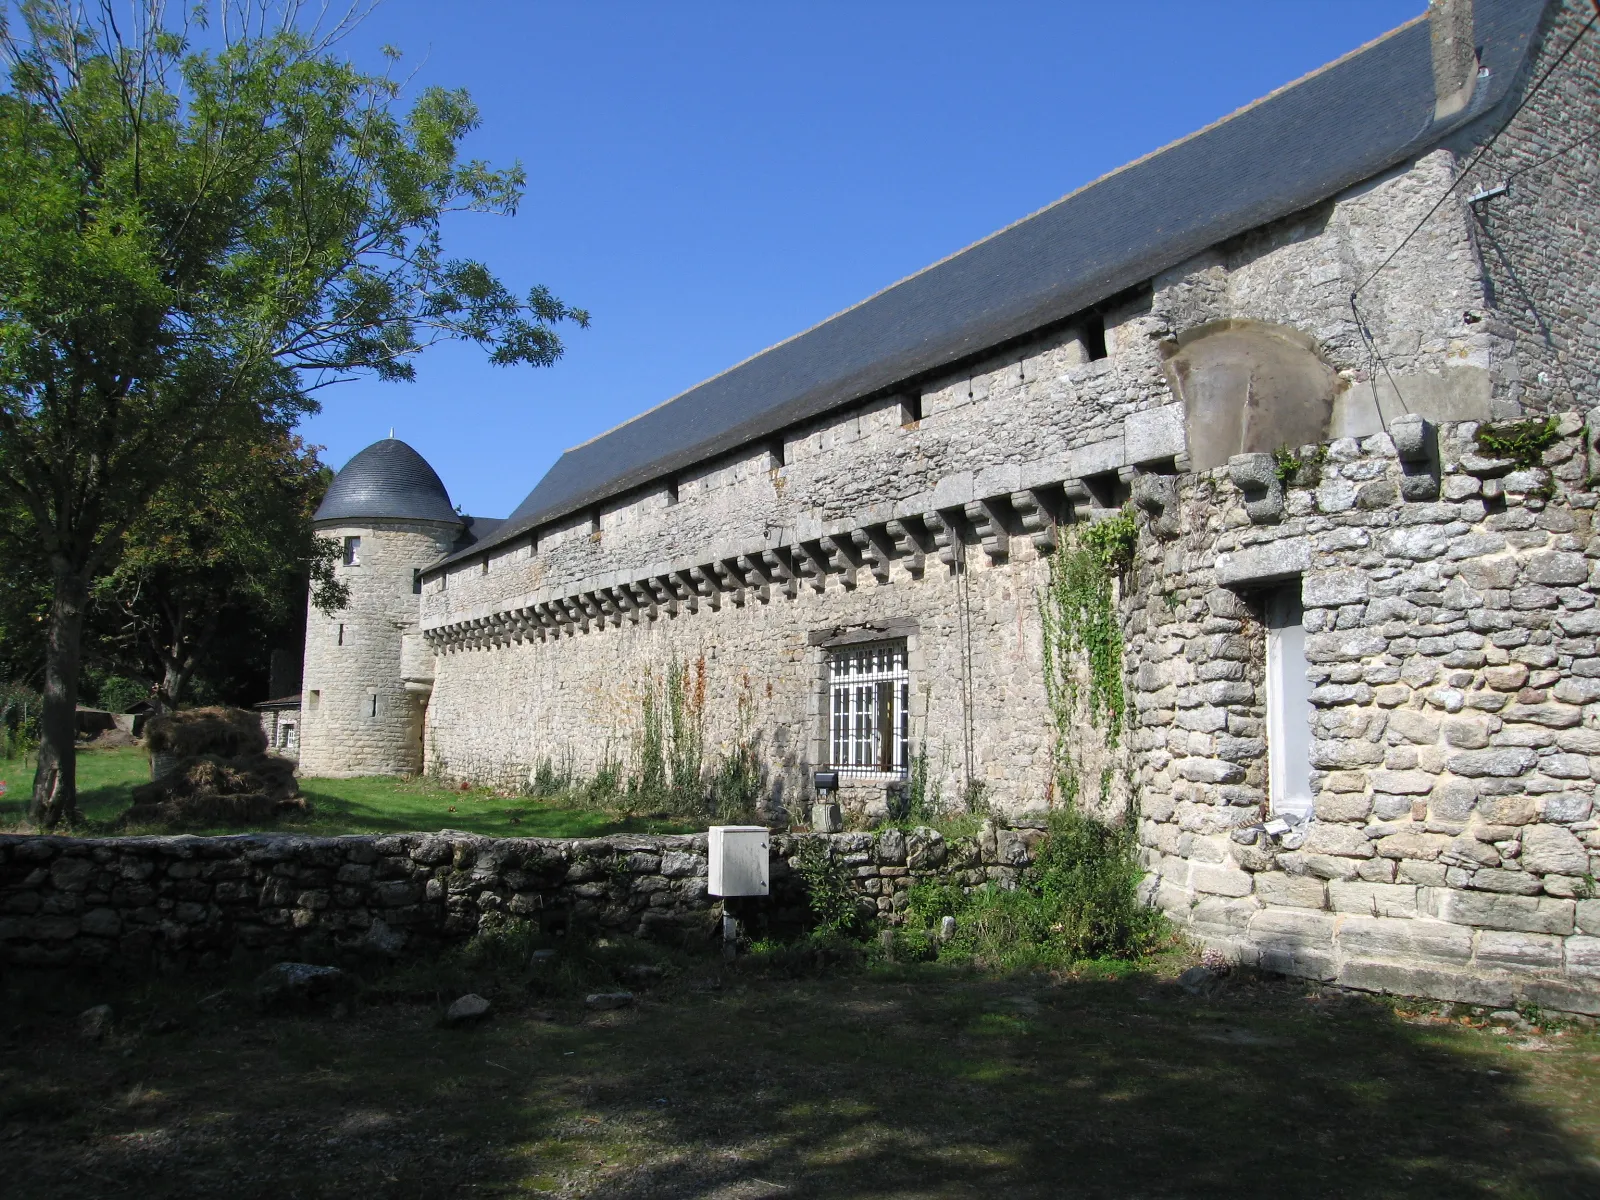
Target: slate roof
[
  {"x": 475, "y": 530},
  {"x": 1346, "y": 122},
  {"x": 387, "y": 479}
]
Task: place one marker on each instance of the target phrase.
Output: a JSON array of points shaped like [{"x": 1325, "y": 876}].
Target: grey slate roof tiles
[{"x": 387, "y": 479}]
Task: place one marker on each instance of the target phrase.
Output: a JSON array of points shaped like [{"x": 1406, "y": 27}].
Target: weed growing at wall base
[
  {"x": 1079, "y": 900},
  {"x": 832, "y": 900}
]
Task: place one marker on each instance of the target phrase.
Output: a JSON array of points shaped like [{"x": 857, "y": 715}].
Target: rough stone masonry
[{"x": 197, "y": 901}]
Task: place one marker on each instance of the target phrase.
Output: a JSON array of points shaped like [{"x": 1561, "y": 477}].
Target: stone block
[
  {"x": 1507, "y": 881},
  {"x": 1097, "y": 458},
  {"x": 1583, "y": 956},
  {"x": 1373, "y": 899},
  {"x": 1550, "y": 716},
  {"x": 1282, "y": 559},
  {"x": 1331, "y": 866},
  {"x": 1154, "y": 434},
  {"x": 1347, "y": 840},
  {"x": 1002, "y": 479},
  {"x": 1409, "y": 938},
  {"x": 953, "y": 491},
  {"x": 1436, "y": 983},
  {"x": 1508, "y": 810},
  {"x": 1210, "y": 770},
  {"x": 1556, "y": 569},
  {"x": 1220, "y": 880},
  {"x": 1227, "y": 913},
  {"x": 1421, "y": 847},
  {"x": 1414, "y": 726},
  {"x": 1568, "y": 994},
  {"x": 1330, "y": 589},
  {"x": 1588, "y": 916},
  {"x": 1290, "y": 891},
  {"x": 1502, "y": 763},
  {"x": 1519, "y": 951},
  {"x": 1403, "y": 783},
  {"x": 1453, "y": 800},
  {"x": 1489, "y": 910},
  {"x": 1552, "y": 849},
  {"x": 1292, "y": 927}
]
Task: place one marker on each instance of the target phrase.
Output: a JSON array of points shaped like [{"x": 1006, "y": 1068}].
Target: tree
[
  {"x": 192, "y": 242},
  {"x": 227, "y": 546}
]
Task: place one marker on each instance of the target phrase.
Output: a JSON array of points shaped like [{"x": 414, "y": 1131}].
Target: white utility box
[{"x": 738, "y": 860}]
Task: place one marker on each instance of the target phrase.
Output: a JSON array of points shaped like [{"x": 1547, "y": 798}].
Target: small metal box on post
[
  {"x": 825, "y": 814},
  {"x": 738, "y": 867}
]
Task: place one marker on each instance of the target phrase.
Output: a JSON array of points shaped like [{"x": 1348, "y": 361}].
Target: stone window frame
[
  {"x": 1281, "y": 743},
  {"x": 1255, "y": 573},
  {"x": 821, "y": 646},
  {"x": 352, "y": 550}
]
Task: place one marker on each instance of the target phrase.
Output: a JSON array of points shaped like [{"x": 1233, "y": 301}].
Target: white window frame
[
  {"x": 1288, "y": 705},
  {"x": 869, "y": 686}
]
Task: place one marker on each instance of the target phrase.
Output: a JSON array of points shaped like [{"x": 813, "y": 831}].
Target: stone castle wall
[
  {"x": 544, "y": 651},
  {"x": 1451, "y": 620},
  {"x": 353, "y": 657},
  {"x": 1534, "y": 239}
]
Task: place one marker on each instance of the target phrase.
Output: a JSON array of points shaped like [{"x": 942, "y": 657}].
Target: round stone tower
[{"x": 390, "y": 516}]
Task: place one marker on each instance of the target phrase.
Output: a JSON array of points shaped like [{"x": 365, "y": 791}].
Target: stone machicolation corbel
[{"x": 1256, "y": 475}]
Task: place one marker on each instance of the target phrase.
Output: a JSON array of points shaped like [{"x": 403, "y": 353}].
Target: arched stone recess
[{"x": 1249, "y": 387}]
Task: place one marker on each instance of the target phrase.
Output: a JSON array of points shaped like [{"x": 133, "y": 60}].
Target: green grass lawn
[
  {"x": 106, "y": 779},
  {"x": 742, "y": 1082}
]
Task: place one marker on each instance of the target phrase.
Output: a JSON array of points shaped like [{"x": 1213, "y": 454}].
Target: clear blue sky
[{"x": 708, "y": 179}]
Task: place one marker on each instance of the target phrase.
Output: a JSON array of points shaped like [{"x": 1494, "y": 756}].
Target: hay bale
[
  {"x": 209, "y": 789},
  {"x": 227, "y": 732}
]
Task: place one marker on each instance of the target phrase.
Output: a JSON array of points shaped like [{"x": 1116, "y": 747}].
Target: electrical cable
[{"x": 1462, "y": 175}]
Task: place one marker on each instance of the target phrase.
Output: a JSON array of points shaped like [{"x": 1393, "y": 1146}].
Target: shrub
[
  {"x": 118, "y": 693},
  {"x": 1078, "y": 900},
  {"x": 20, "y": 707},
  {"x": 832, "y": 900}
]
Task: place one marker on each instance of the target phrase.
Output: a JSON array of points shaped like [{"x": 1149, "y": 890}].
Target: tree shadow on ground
[{"x": 928, "y": 1083}]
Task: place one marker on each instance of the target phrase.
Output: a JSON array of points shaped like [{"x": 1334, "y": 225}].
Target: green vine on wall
[
  {"x": 1079, "y": 617},
  {"x": 1524, "y": 442},
  {"x": 1293, "y": 470}
]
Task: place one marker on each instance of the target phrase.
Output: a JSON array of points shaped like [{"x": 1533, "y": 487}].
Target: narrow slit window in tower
[
  {"x": 1094, "y": 337},
  {"x": 1288, "y": 704},
  {"x": 352, "y": 552}
]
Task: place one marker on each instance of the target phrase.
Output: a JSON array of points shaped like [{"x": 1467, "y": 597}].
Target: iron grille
[{"x": 869, "y": 711}]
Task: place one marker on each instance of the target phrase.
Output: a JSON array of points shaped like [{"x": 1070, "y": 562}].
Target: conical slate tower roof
[{"x": 387, "y": 479}]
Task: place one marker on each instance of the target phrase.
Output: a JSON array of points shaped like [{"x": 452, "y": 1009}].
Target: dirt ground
[{"x": 776, "y": 1081}]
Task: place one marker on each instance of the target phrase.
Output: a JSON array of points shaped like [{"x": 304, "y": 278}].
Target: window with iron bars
[{"x": 869, "y": 710}]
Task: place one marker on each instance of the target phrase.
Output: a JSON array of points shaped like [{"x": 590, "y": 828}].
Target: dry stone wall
[
  {"x": 1455, "y": 727},
  {"x": 193, "y": 901}
]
